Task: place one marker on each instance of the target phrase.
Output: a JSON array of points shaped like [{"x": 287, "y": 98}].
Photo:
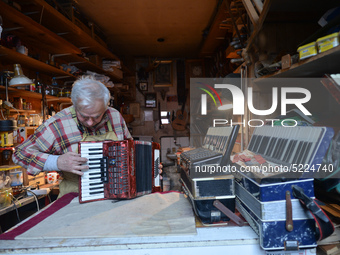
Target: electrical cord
[
  {"x": 16, "y": 208},
  {"x": 36, "y": 199}
]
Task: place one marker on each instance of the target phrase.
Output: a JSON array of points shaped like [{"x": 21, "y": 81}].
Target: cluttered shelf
[
  {"x": 25, "y": 93},
  {"x": 75, "y": 32},
  {"x": 58, "y": 47},
  {"x": 11, "y": 56},
  {"x": 33, "y": 32},
  {"x": 14, "y": 197},
  {"x": 315, "y": 66},
  {"x": 50, "y": 16}
]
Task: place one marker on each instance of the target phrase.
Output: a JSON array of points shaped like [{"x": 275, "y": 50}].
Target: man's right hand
[{"x": 72, "y": 162}]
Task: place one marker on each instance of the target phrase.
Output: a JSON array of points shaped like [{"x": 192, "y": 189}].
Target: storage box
[
  {"x": 203, "y": 192},
  {"x": 264, "y": 208},
  {"x": 38, "y": 179},
  {"x": 328, "y": 42},
  {"x": 95, "y": 59},
  {"x": 307, "y": 50}
]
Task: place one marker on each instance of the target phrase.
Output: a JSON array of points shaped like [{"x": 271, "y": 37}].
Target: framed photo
[
  {"x": 143, "y": 86},
  {"x": 135, "y": 109},
  {"x": 162, "y": 75},
  {"x": 195, "y": 67},
  {"x": 150, "y": 100}
]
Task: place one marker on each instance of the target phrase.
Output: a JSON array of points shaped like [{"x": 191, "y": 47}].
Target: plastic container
[
  {"x": 307, "y": 50},
  {"x": 16, "y": 178},
  {"x": 6, "y": 196},
  {"x": 328, "y": 42}
]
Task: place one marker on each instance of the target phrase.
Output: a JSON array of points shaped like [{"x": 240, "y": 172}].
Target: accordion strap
[
  {"x": 325, "y": 226},
  {"x": 228, "y": 213}
]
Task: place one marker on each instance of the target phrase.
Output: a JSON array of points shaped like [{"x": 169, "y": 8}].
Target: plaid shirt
[{"x": 60, "y": 134}]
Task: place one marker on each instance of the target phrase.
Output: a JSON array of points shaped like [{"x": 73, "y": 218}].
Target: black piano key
[
  {"x": 95, "y": 183},
  {"x": 93, "y": 163},
  {"x": 306, "y": 152},
  {"x": 302, "y": 152},
  {"x": 95, "y": 188},
  {"x": 282, "y": 149},
  {"x": 297, "y": 153},
  {"x": 96, "y": 192},
  {"x": 277, "y": 148},
  {"x": 258, "y": 143},
  {"x": 290, "y": 150},
  {"x": 274, "y": 142},
  {"x": 95, "y": 178},
  {"x": 94, "y": 149},
  {"x": 252, "y": 142},
  {"x": 94, "y": 173},
  {"x": 270, "y": 147},
  {"x": 95, "y": 153},
  {"x": 263, "y": 145}
]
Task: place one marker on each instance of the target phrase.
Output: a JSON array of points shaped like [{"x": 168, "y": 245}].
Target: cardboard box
[{"x": 38, "y": 179}]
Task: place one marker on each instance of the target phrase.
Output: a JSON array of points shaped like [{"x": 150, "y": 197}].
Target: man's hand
[
  {"x": 72, "y": 162},
  {"x": 160, "y": 170}
]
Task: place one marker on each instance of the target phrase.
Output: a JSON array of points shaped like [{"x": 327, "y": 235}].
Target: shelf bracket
[
  {"x": 74, "y": 63},
  {"x": 52, "y": 57},
  {"x": 62, "y": 77},
  {"x": 64, "y": 33},
  {"x": 32, "y": 12},
  {"x": 12, "y": 29}
]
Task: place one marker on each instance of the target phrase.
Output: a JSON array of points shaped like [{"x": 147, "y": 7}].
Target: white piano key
[{"x": 87, "y": 197}]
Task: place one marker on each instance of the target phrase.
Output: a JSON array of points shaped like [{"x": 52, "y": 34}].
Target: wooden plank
[
  {"x": 259, "y": 5},
  {"x": 211, "y": 42},
  {"x": 11, "y": 56},
  {"x": 262, "y": 18},
  {"x": 254, "y": 17}
]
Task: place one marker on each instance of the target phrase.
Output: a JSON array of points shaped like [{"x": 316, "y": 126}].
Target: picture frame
[
  {"x": 195, "y": 68},
  {"x": 135, "y": 109},
  {"x": 150, "y": 100},
  {"x": 162, "y": 75},
  {"x": 143, "y": 86}
]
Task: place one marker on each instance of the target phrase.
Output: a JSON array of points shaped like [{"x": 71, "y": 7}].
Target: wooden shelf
[
  {"x": 84, "y": 64},
  {"x": 315, "y": 66},
  {"x": 13, "y": 57},
  {"x": 22, "y": 111},
  {"x": 216, "y": 35},
  {"x": 58, "y": 99},
  {"x": 34, "y": 33},
  {"x": 25, "y": 93},
  {"x": 276, "y": 11},
  {"x": 59, "y": 24}
]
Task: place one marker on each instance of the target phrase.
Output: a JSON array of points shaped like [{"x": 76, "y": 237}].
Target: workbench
[{"x": 201, "y": 240}]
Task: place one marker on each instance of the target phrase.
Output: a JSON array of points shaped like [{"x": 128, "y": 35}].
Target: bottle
[
  {"x": 32, "y": 86},
  {"x": 51, "y": 111},
  {"x": 38, "y": 84},
  {"x": 54, "y": 87}
]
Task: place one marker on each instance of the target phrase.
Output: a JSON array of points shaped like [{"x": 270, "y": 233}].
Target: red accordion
[{"x": 119, "y": 169}]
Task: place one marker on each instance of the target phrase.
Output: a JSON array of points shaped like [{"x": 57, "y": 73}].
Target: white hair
[{"x": 86, "y": 90}]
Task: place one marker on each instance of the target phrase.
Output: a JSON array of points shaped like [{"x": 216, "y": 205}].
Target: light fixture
[
  {"x": 19, "y": 78},
  {"x": 226, "y": 105}
]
